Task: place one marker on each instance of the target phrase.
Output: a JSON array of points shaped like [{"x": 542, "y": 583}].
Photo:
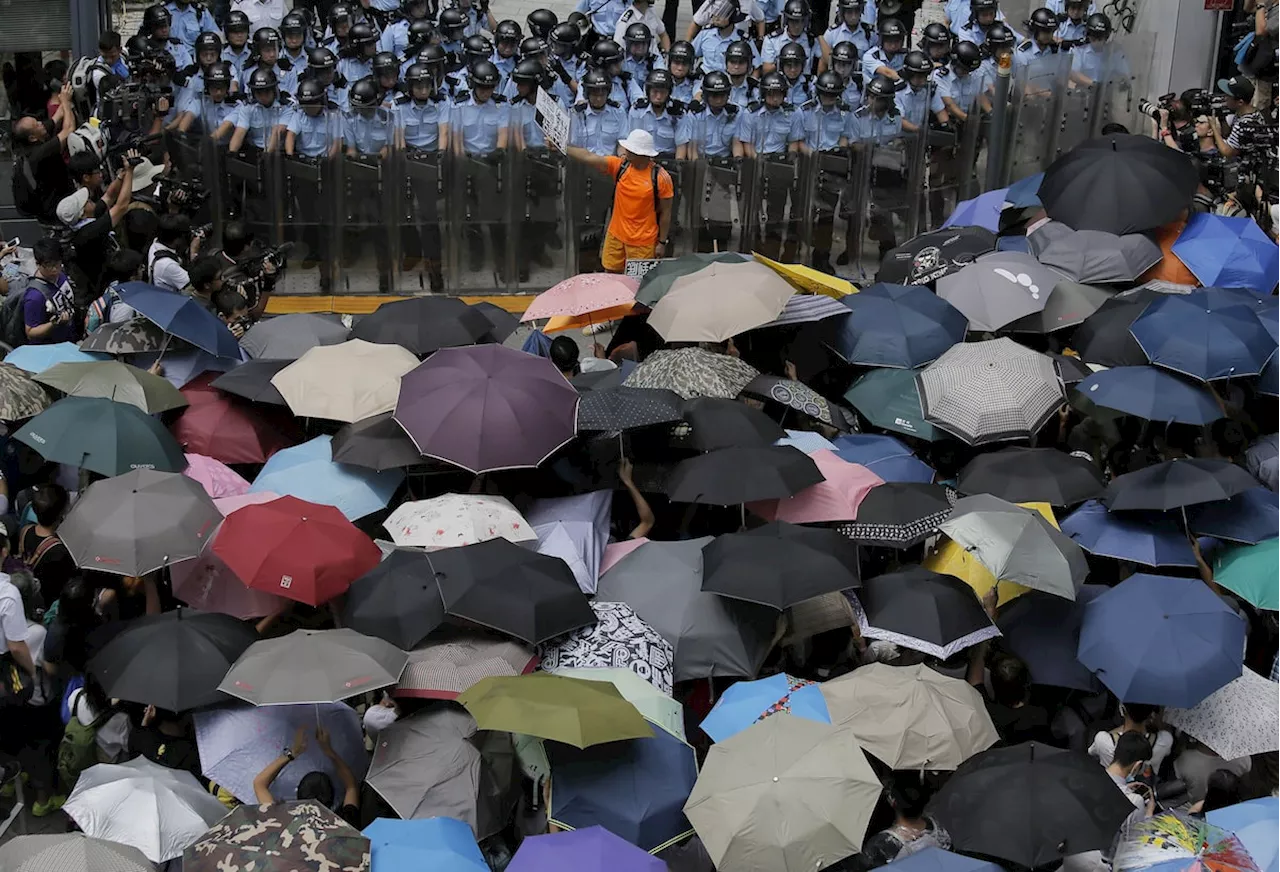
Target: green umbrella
[
  {"x": 890, "y": 400},
  {"x": 20, "y": 397},
  {"x": 113, "y": 380},
  {"x": 102, "y": 436},
  {"x": 569, "y": 710},
  {"x": 657, "y": 281},
  {"x": 1250, "y": 571}
]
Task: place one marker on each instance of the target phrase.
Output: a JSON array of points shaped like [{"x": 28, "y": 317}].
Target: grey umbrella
[
  {"x": 138, "y": 522},
  {"x": 437, "y": 763},
  {"x": 999, "y": 288},
  {"x": 71, "y": 852},
  {"x": 1069, "y": 304},
  {"x": 313, "y": 666},
  {"x": 713, "y": 635},
  {"x": 288, "y": 337},
  {"x": 1093, "y": 255}
]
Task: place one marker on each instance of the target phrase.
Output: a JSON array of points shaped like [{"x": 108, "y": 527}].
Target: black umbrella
[
  {"x": 1177, "y": 483},
  {"x": 501, "y": 322},
  {"x": 799, "y": 396},
  {"x": 741, "y": 475},
  {"x": 899, "y": 514},
  {"x": 779, "y": 564},
  {"x": 398, "y": 600},
  {"x": 930, "y": 256},
  {"x": 1072, "y": 370},
  {"x": 174, "y": 660},
  {"x": 423, "y": 324},
  {"x": 252, "y": 380},
  {"x": 1025, "y": 475},
  {"x": 719, "y": 423},
  {"x": 600, "y": 380},
  {"x": 1104, "y": 338},
  {"x": 924, "y": 611},
  {"x": 624, "y": 408},
  {"x": 1030, "y": 805},
  {"x": 1121, "y": 184},
  {"x": 376, "y": 443},
  {"x": 511, "y": 589}
]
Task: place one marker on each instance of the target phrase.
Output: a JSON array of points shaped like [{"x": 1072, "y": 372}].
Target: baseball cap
[
  {"x": 1237, "y": 86},
  {"x": 71, "y": 207}
]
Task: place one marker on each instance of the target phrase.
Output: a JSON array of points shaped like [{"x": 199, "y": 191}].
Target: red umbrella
[
  {"x": 293, "y": 548},
  {"x": 232, "y": 431}
]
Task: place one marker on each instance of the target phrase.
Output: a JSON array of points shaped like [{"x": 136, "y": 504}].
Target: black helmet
[
  {"x": 967, "y": 55},
  {"x": 1097, "y": 24},
  {"x": 596, "y": 80},
  {"x": 421, "y": 30},
  {"x": 739, "y": 51},
  {"x": 477, "y": 47},
  {"x": 638, "y": 32},
  {"x": 418, "y": 73},
  {"x": 795, "y": 10},
  {"x": 385, "y": 62},
  {"x": 507, "y": 31},
  {"x": 338, "y": 13},
  {"x": 294, "y": 22},
  {"x": 263, "y": 79},
  {"x": 935, "y": 33},
  {"x": 154, "y": 17},
  {"x": 237, "y": 22},
  {"x": 533, "y": 47},
  {"x": 891, "y": 28},
  {"x": 830, "y": 83},
  {"x": 773, "y": 81},
  {"x": 528, "y": 72},
  {"x": 321, "y": 58},
  {"x": 311, "y": 93},
  {"x": 1000, "y": 36},
  {"x": 605, "y": 52},
  {"x": 1042, "y": 19},
  {"x": 976, "y": 6},
  {"x": 136, "y": 47},
  {"x": 217, "y": 74},
  {"x": 483, "y": 74},
  {"x": 716, "y": 83},
  {"x": 889, "y": 9},
  {"x": 881, "y": 86},
  {"x": 851, "y": 6},
  {"x": 659, "y": 79},
  {"x": 682, "y": 52},
  {"x": 266, "y": 36},
  {"x": 362, "y": 35},
  {"x": 452, "y": 23},
  {"x": 917, "y": 62},
  {"x": 208, "y": 41},
  {"x": 792, "y": 52},
  {"x": 541, "y": 22},
  {"x": 845, "y": 52},
  {"x": 406, "y": 7},
  {"x": 364, "y": 94},
  {"x": 566, "y": 35},
  {"x": 432, "y": 55}
]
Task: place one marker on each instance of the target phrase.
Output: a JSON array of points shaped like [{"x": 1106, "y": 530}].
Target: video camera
[
  {"x": 188, "y": 196},
  {"x": 134, "y": 105}
]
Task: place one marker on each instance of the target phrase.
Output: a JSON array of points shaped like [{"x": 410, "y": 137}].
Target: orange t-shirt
[{"x": 633, "y": 221}]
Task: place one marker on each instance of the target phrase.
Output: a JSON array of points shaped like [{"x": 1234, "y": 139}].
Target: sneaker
[
  {"x": 9, "y": 774},
  {"x": 41, "y": 809}
]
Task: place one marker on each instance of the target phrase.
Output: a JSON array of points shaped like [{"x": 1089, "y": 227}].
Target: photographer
[
  {"x": 1251, "y": 136},
  {"x": 48, "y": 306},
  {"x": 40, "y": 177},
  {"x": 246, "y": 269},
  {"x": 164, "y": 264},
  {"x": 91, "y": 214}
]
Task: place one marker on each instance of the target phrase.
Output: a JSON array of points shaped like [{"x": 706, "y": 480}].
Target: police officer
[
  {"x": 1000, "y": 43},
  {"x": 208, "y": 51},
  {"x": 958, "y": 88},
  {"x": 640, "y": 61},
  {"x": 341, "y": 19},
  {"x": 541, "y": 22},
  {"x": 355, "y": 60},
  {"x": 776, "y": 130},
  {"x": 295, "y": 31},
  {"x": 914, "y": 101},
  {"x": 1095, "y": 59},
  {"x": 386, "y": 72},
  {"x": 886, "y": 58},
  {"x": 826, "y": 136},
  {"x": 1071, "y": 30},
  {"x": 366, "y": 138},
  {"x": 680, "y": 63},
  {"x": 878, "y": 124},
  {"x": 438, "y": 62},
  {"x": 598, "y": 123},
  {"x": 1041, "y": 44},
  {"x": 322, "y": 66},
  {"x": 311, "y": 136},
  {"x": 606, "y": 56},
  {"x": 266, "y": 50},
  {"x": 237, "y": 51},
  {"x": 603, "y": 15},
  {"x": 716, "y": 141},
  {"x": 664, "y": 118},
  {"x": 507, "y": 38},
  {"x": 712, "y": 46},
  {"x": 189, "y": 20},
  {"x": 563, "y": 46},
  {"x": 539, "y": 224},
  {"x": 259, "y": 124},
  {"x": 422, "y": 33},
  {"x": 744, "y": 89},
  {"x": 421, "y": 131},
  {"x": 795, "y": 28},
  {"x": 792, "y": 62},
  {"x": 845, "y": 63},
  {"x": 156, "y": 23},
  {"x": 452, "y": 26},
  {"x": 982, "y": 15},
  {"x": 555, "y": 83},
  {"x": 935, "y": 42},
  {"x": 395, "y": 38},
  {"x": 212, "y": 109},
  {"x": 849, "y": 27},
  {"x": 479, "y": 122}
]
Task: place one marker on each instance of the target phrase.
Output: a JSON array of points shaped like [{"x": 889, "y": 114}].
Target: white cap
[
  {"x": 640, "y": 142},
  {"x": 144, "y": 175},
  {"x": 71, "y": 207}
]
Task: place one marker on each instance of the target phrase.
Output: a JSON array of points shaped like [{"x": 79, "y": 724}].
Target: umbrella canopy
[
  {"x": 1044, "y": 631},
  {"x": 288, "y": 337},
  {"x": 20, "y": 397},
  {"x": 1236, "y": 720},
  {"x": 38, "y": 358},
  {"x": 1022, "y": 475},
  {"x": 181, "y": 316},
  {"x": 511, "y": 589},
  {"x": 284, "y": 837},
  {"x": 423, "y": 324},
  {"x": 900, "y": 514},
  {"x": 217, "y": 479},
  {"x": 398, "y": 600},
  {"x": 990, "y": 391},
  {"x": 1253, "y": 823},
  {"x": 114, "y": 380},
  {"x": 592, "y": 849},
  {"x": 624, "y": 408},
  {"x": 101, "y": 436},
  {"x": 1017, "y": 545},
  {"x": 779, "y": 564},
  {"x": 720, "y": 301},
  {"x": 582, "y": 295},
  {"x": 1103, "y": 338},
  {"x": 951, "y": 558},
  {"x": 937, "y": 860},
  {"x": 924, "y": 611},
  {"x": 619, "y": 640},
  {"x": 135, "y": 336},
  {"x": 313, "y": 666},
  {"x": 786, "y": 793},
  {"x": 376, "y": 443},
  {"x": 799, "y": 396},
  {"x": 1023, "y": 194},
  {"x": 887, "y": 456},
  {"x": 1149, "y": 538},
  {"x": 890, "y": 400},
  {"x": 692, "y": 372},
  {"x": 138, "y": 522},
  {"x": 1229, "y": 252},
  {"x": 930, "y": 256},
  {"x": 447, "y": 665},
  {"x": 185, "y": 365},
  {"x": 745, "y": 702},
  {"x": 1031, "y": 805},
  {"x": 740, "y": 475},
  {"x": 173, "y": 660},
  {"x": 437, "y": 763},
  {"x": 344, "y": 382},
  {"x": 252, "y": 380},
  {"x": 835, "y": 498},
  {"x": 657, "y": 281},
  {"x": 1119, "y": 184},
  {"x": 433, "y": 843},
  {"x": 71, "y": 852},
  {"x": 570, "y": 710},
  {"x": 1161, "y": 641},
  {"x": 809, "y": 308},
  {"x": 901, "y": 326},
  {"x": 1251, "y": 573},
  {"x": 487, "y": 407},
  {"x": 1207, "y": 334},
  {"x": 1178, "y": 841},
  {"x": 982, "y": 211},
  {"x": 1151, "y": 393},
  {"x": 712, "y": 635},
  {"x": 168, "y": 809},
  {"x": 1093, "y": 255},
  {"x": 453, "y": 520},
  {"x": 231, "y": 430},
  {"x": 1246, "y": 518},
  {"x": 719, "y": 423},
  {"x": 1069, "y": 304},
  {"x": 501, "y": 322},
  {"x": 1175, "y": 483},
  {"x": 998, "y": 289},
  {"x": 910, "y": 717},
  {"x": 656, "y": 705},
  {"x": 236, "y": 742},
  {"x": 308, "y": 472}
]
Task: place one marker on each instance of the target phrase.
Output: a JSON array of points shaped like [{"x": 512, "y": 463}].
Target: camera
[
  {"x": 1151, "y": 108},
  {"x": 133, "y": 105},
  {"x": 278, "y": 256}
]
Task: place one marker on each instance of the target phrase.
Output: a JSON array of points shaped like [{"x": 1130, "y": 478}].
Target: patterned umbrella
[
  {"x": 453, "y": 520},
  {"x": 745, "y": 702},
  {"x": 284, "y": 837},
  {"x": 625, "y": 408},
  {"x": 20, "y": 397},
  {"x": 620, "y": 640},
  {"x": 445, "y": 668},
  {"x": 900, "y": 514},
  {"x": 128, "y": 337},
  {"x": 72, "y": 852},
  {"x": 582, "y": 294},
  {"x": 990, "y": 391},
  {"x": 806, "y": 309},
  {"x": 922, "y": 610},
  {"x": 692, "y": 372},
  {"x": 1236, "y": 720},
  {"x": 1175, "y": 842},
  {"x": 799, "y": 396}
]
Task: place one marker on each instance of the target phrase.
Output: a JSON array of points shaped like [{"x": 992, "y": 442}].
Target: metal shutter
[{"x": 35, "y": 25}]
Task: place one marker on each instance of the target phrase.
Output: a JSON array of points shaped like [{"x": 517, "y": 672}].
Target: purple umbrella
[
  {"x": 593, "y": 849},
  {"x": 575, "y": 529},
  {"x": 486, "y": 407}
]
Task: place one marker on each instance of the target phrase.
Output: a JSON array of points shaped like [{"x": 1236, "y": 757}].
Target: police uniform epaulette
[
  {"x": 752, "y": 82},
  {"x": 866, "y": 29},
  {"x": 787, "y": 107},
  {"x": 437, "y": 97},
  {"x": 236, "y": 97},
  {"x": 1025, "y": 44},
  {"x": 402, "y": 99},
  {"x": 613, "y": 103},
  {"x": 731, "y": 108},
  {"x": 498, "y": 98},
  {"x": 580, "y": 107},
  {"x": 330, "y": 105},
  {"x": 284, "y": 63},
  {"x": 461, "y": 96},
  {"x": 811, "y": 104},
  {"x": 675, "y": 107},
  {"x": 173, "y": 40},
  {"x": 862, "y": 110},
  {"x": 753, "y": 105},
  {"x": 642, "y": 103}
]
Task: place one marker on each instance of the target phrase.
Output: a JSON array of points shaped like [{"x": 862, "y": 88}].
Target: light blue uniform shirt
[
  {"x": 962, "y": 88},
  {"x": 385, "y": 5},
  {"x": 715, "y": 132},
  {"x": 182, "y": 57},
  {"x": 395, "y": 38},
  {"x": 354, "y": 70},
  {"x": 852, "y": 94},
  {"x": 864, "y": 126},
  {"x": 772, "y": 9},
  {"x": 188, "y": 24},
  {"x": 773, "y": 45},
  {"x": 913, "y": 105},
  {"x": 506, "y": 66},
  {"x": 237, "y": 59},
  {"x": 287, "y": 82},
  {"x": 668, "y": 130},
  {"x": 874, "y": 58},
  {"x": 1070, "y": 30},
  {"x": 479, "y": 123},
  {"x": 1039, "y": 58},
  {"x": 684, "y": 89},
  {"x": 1110, "y": 63},
  {"x": 421, "y": 122},
  {"x": 978, "y": 35},
  {"x": 598, "y": 131},
  {"x": 524, "y": 115},
  {"x": 208, "y": 114},
  {"x": 1059, "y": 7},
  {"x": 772, "y": 130},
  {"x": 311, "y": 134},
  {"x": 367, "y": 134},
  {"x": 259, "y": 120},
  {"x": 558, "y": 89},
  {"x": 640, "y": 70},
  {"x": 859, "y": 37},
  {"x": 710, "y": 46},
  {"x": 823, "y": 127},
  {"x": 800, "y": 91},
  {"x": 744, "y": 93}
]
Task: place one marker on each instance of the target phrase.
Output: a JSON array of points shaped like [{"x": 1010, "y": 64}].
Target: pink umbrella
[
  {"x": 207, "y": 583},
  {"x": 589, "y": 292},
  {"x": 615, "y": 551},
  {"x": 218, "y": 479},
  {"x": 836, "y": 499}
]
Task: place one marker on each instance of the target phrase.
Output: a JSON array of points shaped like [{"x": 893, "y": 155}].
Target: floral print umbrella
[
  {"x": 453, "y": 520},
  {"x": 1175, "y": 842}
]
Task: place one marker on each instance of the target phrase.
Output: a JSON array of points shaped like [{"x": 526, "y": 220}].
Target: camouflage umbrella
[
  {"x": 129, "y": 337},
  {"x": 283, "y": 837},
  {"x": 692, "y": 372},
  {"x": 20, "y": 397}
]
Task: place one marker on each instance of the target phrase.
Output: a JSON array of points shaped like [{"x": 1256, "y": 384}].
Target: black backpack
[
  {"x": 26, "y": 194},
  {"x": 13, "y": 328}
]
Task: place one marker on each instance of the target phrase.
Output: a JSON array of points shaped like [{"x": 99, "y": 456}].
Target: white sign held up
[{"x": 553, "y": 118}]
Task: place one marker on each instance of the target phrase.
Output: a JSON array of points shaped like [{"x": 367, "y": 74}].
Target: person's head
[
  {"x": 715, "y": 90},
  {"x": 386, "y": 69},
  {"x": 936, "y": 42},
  {"x": 1076, "y": 10},
  {"x": 680, "y": 59},
  {"x": 156, "y": 21},
  {"x": 1042, "y": 24},
  {"x": 28, "y": 589},
  {"x": 564, "y": 354},
  {"x": 75, "y": 603},
  {"x": 541, "y": 22},
  {"x": 206, "y": 276},
  {"x": 363, "y": 40},
  {"x": 774, "y": 88},
  {"x": 484, "y": 78},
  {"x": 230, "y": 305},
  {"x": 1112, "y": 128},
  {"x": 851, "y": 12},
  {"x": 564, "y": 39},
  {"x": 49, "y": 503},
  {"x": 312, "y": 96},
  {"x": 638, "y": 148},
  {"x": 208, "y": 49},
  {"x": 657, "y": 87},
  {"x": 796, "y": 15},
  {"x": 1221, "y": 790},
  {"x": 109, "y": 46},
  {"x": 737, "y": 58},
  {"x": 880, "y": 92},
  {"x": 1204, "y": 128},
  {"x": 1132, "y": 752},
  {"x": 893, "y": 36},
  {"x": 830, "y": 87},
  {"x": 236, "y": 237},
  {"x": 1010, "y": 681},
  {"x": 172, "y": 230},
  {"x": 639, "y": 39},
  {"x": 264, "y": 86},
  {"x": 1239, "y": 92},
  {"x": 293, "y": 29},
  {"x": 906, "y": 795},
  {"x": 844, "y": 57},
  {"x": 791, "y": 60},
  {"x": 422, "y": 82},
  {"x": 606, "y": 55},
  {"x": 317, "y": 787},
  {"x": 266, "y": 45},
  {"x": 86, "y": 171},
  {"x": 1097, "y": 29},
  {"x": 124, "y": 265},
  {"x": 322, "y": 64},
  {"x": 29, "y": 130},
  {"x": 507, "y": 36},
  {"x": 916, "y": 68},
  {"x": 984, "y": 12},
  {"x": 597, "y": 86},
  {"x": 237, "y": 29},
  {"x": 1141, "y": 713},
  {"x": 48, "y": 255},
  {"x": 1000, "y": 40}
]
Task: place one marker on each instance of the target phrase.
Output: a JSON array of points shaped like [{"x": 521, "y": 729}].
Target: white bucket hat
[{"x": 640, "y": 142}]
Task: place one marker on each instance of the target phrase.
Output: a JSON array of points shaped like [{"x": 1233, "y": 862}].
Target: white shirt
[
  {"x": 13, "y": 621},
  {"x": 261, "y": 13},
  {"x": 35, "y": 643},
  {"x": 702, "y": 17},
  {"x": 1103, "y": 748},
  {"x": 167, "y": 273},
  {"x": 632, "y": 15}
]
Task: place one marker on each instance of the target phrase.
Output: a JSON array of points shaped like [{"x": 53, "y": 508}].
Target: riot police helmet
[
  {"x": 917, "y": 62},
  {"x": 605, "y": 52},
  {"x": 541, "y": 22},
  {"x": 364, "y": 94},
  {"x": 263, "y": 79},
  {"x": 528, "y": 72},
  {"x": 830, "y": 83},
  {"x": 966, "y": 55},
  {"x": 483, "y": 74},
  {"x": 1098, "y": 24},
  {"x": 716, "y": 82},
  {"x": 311, "y": 92}
]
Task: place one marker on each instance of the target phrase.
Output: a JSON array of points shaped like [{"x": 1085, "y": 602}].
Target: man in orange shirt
[{"x": 642, "y": 201}]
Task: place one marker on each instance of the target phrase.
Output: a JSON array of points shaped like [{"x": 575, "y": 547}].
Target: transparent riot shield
[
  {"x": 773, "y": 210},
  {"x": 858, "y": 211},
  {"x": 310, "y": 163},
  {"x": 537, "y": 240},
  {"x": 1079, "y": 102},
  {"x": 365, "y": 188},
  {"x": 1125, "y": 80},
  {"x": 1034, "y": 120},
  {"x": 479, "y": 186},
  {"x": 717, "y": 203},
  {"x": 826, "y": 195},
  {"x": 687, "y": 180},
  {"x": 891, "y": 198},
  {"x": 588, "y": 195},
  {"x": 414, "y": 200},
  {"x": 268, "y": 225}
]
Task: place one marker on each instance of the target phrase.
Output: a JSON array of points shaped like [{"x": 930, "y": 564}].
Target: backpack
[
  {"x": 78, "y": 749},
  {"x": 32, "y": 559},
  {"x": 160, "y": 255},
  {"x": 17, "y": 685},
  {"x": 653, "y": 168},
  {"x": 13, "y": 326},
  {"x": 27, "y": 198},
  {"x": 84, "y": 90}
]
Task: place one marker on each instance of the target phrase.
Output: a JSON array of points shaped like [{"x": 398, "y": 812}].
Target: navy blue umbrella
[
  {"x": 1151, "y": 393},
  {"x": 181, "y": 316},
  {"x": 1044, "y": 631},
  {"x": 1248, "y": 517},
  {"x": 1269, "y": 378},
  {"x": 1149, "y": 538},
  {"x": 1160, "y": 640},
  {"x": 900, "y": 326},
  {"x": 1206, "y": 334},
  {"x": 886, "y": 456}
]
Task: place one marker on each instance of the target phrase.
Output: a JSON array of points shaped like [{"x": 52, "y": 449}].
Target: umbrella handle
[{"x": 164, "y": 346}]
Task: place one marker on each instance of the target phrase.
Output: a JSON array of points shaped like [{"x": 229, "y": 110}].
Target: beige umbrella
[
  {"x": 347, "y": 382},
  {"x": 911, "y": 717},
  {"x": 720, "y": 301},
  {"x": 784, "y": 795}
]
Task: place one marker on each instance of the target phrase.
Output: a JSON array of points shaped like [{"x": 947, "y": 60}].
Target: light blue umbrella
[
  {"x": 439, "y": 843},
  {"x": 982, "y": 211},
  {"x": 1254, "y": 824},
  {"x": 38, "y": 358},
  {"x": 806, "y": 440},
  {"x": 746, "y": 702},
  {"x": 886, "y": 456},
  {"x": 938, "y": 860},
  {"x": 575, "y": 529},
  {"x": 308, "y": 472},
  {"x": 1229, "y": 252},
  {"x": 1024, "y": 192}
]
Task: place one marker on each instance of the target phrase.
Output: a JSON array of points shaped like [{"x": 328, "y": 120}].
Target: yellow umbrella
[
  {"x": 808, "y": 280},
  {"x": 951, "y": 559},
  {"x": 602, "y": 316}
]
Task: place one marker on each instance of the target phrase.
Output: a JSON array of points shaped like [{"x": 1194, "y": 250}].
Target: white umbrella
[
  {"x": 159, "y": 811},
  {"x": 1236, "y": 720},
  {"x": 454, "y": 520}
]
